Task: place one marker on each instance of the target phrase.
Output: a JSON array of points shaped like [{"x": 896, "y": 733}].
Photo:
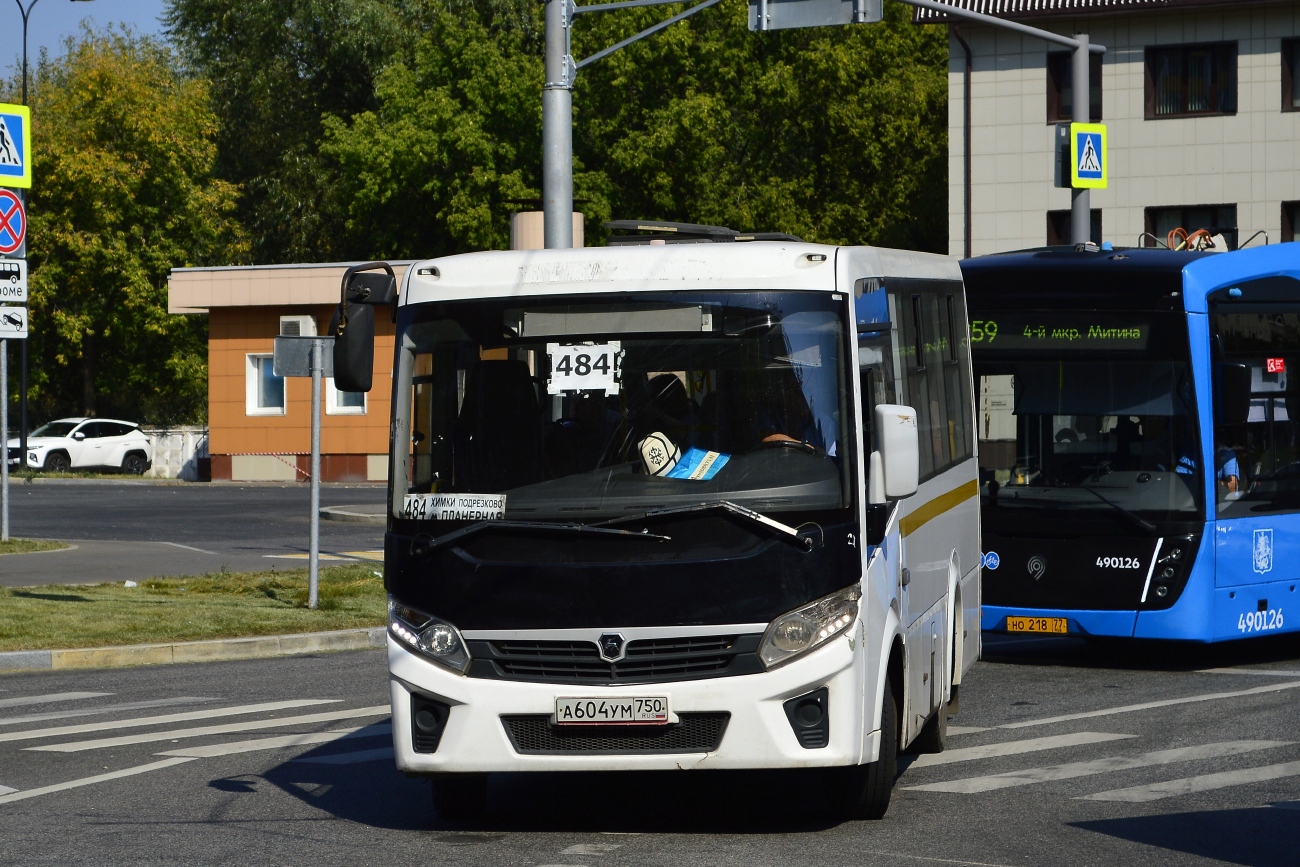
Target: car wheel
[
  {"x": 57, "y": 462},
  {"x": 135, "y": 465}
]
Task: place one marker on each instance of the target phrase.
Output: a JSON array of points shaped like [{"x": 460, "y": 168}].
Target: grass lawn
[
  {"x": 30, "y": 546},
  {"x": 217, "y": 605}
]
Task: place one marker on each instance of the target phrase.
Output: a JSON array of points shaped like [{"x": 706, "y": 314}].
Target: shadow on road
[{"x": 1260, "y": 837}]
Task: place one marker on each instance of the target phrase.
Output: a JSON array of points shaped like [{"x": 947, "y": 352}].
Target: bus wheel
[
  {"x": 862, "y": 792},
  {"x": 934, "y": 735},
  {"x": 460, "y": 797}
]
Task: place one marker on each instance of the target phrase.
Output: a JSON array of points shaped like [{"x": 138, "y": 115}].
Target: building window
[
  {"x": 1290, "y": 220},
  {"x": 1060, "y": 87},
  {"x": 1215, "y": 219},
  {"x": 264, "y": 391},
  {"x": 1058, "y": 227},
  {"x": 1190, "y": 80},
  {"x": 1291, "y": 75},
  {"x": 343, "y": 402}
]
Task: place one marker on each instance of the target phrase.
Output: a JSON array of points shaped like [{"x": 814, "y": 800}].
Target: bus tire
[
  {"x": 934, "y": 734},
  {"x": 862, "y": 792},
  {"x": 460, "y": 797}
]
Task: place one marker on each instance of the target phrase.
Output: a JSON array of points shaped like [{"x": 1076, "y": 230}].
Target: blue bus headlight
[
  {"x": 428, "y": 636},
  {"x": 799, "y": 631}
]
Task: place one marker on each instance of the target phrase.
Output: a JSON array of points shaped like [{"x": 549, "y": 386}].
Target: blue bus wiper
[
  {"x": 430, "y": 544},
  {"x": 719, "y": 505}
]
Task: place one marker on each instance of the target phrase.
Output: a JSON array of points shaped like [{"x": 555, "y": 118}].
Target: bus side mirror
[
  {"x": 1232, "y": 397},
  {"x": 352, "y": 326},
  {"x": 895, "y": 469}
]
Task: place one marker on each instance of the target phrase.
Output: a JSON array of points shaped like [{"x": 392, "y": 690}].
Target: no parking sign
[{"x": 13, "y": 223}]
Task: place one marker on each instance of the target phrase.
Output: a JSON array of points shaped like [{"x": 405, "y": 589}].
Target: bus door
[{"x": 1256, "y": 467}]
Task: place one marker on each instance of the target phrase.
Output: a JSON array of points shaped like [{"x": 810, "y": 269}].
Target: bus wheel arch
[{"x": 863, "y": 791}]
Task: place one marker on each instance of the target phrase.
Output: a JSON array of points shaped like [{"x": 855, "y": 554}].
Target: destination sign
[{"x": 1057, "y": 330}]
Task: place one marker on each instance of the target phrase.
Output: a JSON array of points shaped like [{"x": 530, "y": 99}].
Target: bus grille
[
  {"x": 533, "y": 734},
  {"x": 644, "y": 661}
]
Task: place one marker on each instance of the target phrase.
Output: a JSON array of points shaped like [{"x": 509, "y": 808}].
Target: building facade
[
  {"x": 259, "y": 424},
  {"x": 1201, "y": 101}
]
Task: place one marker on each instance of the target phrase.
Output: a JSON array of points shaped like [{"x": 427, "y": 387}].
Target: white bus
[{"x": 644, "y": 516}]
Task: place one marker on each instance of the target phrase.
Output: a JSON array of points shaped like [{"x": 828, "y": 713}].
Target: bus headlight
[
  {"x": 428, "y": 636},
  {"x": 803, "y": 629}
]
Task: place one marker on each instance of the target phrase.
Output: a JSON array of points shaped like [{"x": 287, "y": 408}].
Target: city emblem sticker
[{"x": 1262, "y": 551}]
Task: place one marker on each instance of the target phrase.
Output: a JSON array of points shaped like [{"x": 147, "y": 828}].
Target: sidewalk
[{"x": 259, "y": 647}]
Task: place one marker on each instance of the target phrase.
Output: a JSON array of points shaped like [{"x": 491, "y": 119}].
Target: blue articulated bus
[{"x": 1139, "y": 466}]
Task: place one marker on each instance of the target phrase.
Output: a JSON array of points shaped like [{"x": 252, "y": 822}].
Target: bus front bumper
[{"x": 758, "y": 732}]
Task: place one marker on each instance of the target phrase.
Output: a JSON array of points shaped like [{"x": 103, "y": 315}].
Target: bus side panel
[
  {"x": 1188, "y": 619},
  {"x": 880, "y": 624}
]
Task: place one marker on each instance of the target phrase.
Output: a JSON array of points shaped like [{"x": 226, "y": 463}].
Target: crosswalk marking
[
  {"x": 52, "y": 697},
  {"x": 1011, "y": 748},
  {"x": 214, "y": 750},
  {"x": 87, "y": 781},
  {"x": 1007, "y": 780},
  {"x": 1203, "y": 783},
  {"x": 4, "y": 790},
  {"x": 1150, "y": 705},
  {"x": 59, "y": 731},
  {"x": 355, "y": 758},
  {"x": 103, "y": 708},
  {"x": 1264, "y": 672},
  {"x": 202, "y": 731},
  {"x": 965, "y": 730}
]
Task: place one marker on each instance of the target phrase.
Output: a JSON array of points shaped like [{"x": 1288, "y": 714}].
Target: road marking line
[
  {"x": 159, "y": 720},
  {"x": 1204, "y": 783},
  {"x": 52, "y": 697},
  {"x": 1150, "y": 705},
  {"x": 356, "y": 758},
  {"x": 966, "y": 730},
  {"x": 1262, "y": 672},
  {"x": 591, "y": 849},
  {"x": 87, "y": 781},
  {"x": 229, "y": 749},
  {"x": 365, "y": 555},
  {"x": 304, "y": 557},
  {"x": 106, "y": 708},
  {"x": 1011, "y": 748},
  {"x": 991, "y": 782},
  {"x": 4, "y": 790},
  {"x": 190, "y": 548},
  {"x": 203, "y": 731}
]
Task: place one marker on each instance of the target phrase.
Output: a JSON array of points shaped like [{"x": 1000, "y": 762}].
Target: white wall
[{"x": 1251, "y": 159}]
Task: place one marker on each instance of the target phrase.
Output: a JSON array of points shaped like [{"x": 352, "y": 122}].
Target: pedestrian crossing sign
[
  {"x": 15, "y": 146},
  {"x": 1088, "y": 156}
]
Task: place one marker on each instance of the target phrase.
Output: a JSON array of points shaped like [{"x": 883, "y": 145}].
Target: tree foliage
[{"x": 123, "y": 156}]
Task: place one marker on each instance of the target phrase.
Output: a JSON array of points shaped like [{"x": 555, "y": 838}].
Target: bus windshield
[
  {"x": 599, "y": 407},
  {"x": 1103, "y": 429}
]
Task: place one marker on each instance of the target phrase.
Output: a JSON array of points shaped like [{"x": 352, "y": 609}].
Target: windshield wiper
[
  {"x": 721, "y": 505},
  {"x": 430, "y": 544},
  {"x": 1140, "y": 523}
]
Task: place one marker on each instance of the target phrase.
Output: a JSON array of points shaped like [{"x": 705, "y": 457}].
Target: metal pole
[
  {"x": 4, "y": 425},
  {"x": 22, "y": 367},
  {"x": 313, "y": 569},
  {"x": 557, "y": 129},
  {"x": 1080, "y": 200}
]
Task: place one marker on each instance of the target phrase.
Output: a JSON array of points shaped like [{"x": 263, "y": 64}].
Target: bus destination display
[{"x": 1058, "y": 330}]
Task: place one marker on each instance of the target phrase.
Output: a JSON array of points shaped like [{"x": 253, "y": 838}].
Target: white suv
[{"x": 73, "y": 443}]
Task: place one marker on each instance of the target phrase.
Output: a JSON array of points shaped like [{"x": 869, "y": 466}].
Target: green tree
[
  {"x": 123, "y": 191},
  {"x": 835, "y": 134}
]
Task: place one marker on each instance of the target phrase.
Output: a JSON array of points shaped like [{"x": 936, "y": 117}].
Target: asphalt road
[
  {"x": 1117, "y": 756},
  {"x": 129, "y": 530}
]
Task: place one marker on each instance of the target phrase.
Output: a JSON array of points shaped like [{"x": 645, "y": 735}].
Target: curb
[
  {"x": 258, "y": 647},
  {"x": 353, "y": 514}
]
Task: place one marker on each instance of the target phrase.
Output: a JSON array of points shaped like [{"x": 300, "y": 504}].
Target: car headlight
[
  {"x": 428, "y": 636},
  {"x": 799, "y": 631}
]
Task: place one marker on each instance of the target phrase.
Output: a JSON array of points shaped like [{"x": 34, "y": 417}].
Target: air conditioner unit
[{"x": 298, "y": 326}]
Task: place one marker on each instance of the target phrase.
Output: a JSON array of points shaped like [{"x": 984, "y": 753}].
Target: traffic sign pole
[
  {"x": 4, "y": 425},
  {"x": 1081, "y": 199}
]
